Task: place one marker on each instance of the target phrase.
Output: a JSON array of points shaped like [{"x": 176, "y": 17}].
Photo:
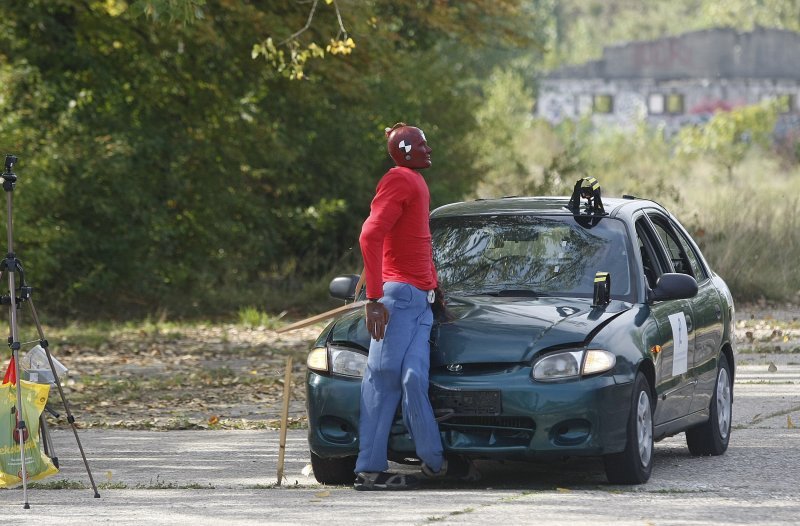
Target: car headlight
[
  {"x": 572, "y": 364},
  {"x": 318, "y": 359},
  {"x": 598, "y": 361},
  {"x": 334, "y": 359}
]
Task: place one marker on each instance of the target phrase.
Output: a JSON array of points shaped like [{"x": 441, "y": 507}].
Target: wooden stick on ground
[
  {"x": 325, "y": 315},
  {"x": 331, "y": 313},
  {"x": 287, "y": 391}
]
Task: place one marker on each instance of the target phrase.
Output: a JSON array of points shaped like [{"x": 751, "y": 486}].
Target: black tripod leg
[
  {"x": 43, "y": 435},
  {"x": 13, "y": 342},
  {"x": 47, "y": 441},
  {"x": 57, "y": 381}
]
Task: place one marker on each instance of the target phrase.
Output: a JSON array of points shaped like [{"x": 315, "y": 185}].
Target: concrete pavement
[{"x": 228, "y": 477}]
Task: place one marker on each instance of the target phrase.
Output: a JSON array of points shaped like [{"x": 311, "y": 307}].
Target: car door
[
  {"x": 676, "y": 337},
  {"x": 706, "y": 307}
]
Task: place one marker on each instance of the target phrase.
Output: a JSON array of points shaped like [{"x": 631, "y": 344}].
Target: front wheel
[
  {"x": 712, "y": 437},
  {"x": 635, "y": 463},
  {"x": 334, "y": 471}
]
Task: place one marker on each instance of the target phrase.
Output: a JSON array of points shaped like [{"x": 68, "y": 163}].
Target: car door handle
[
  {"x": 718, "y": 312},
  {"x": 688, "y": 323}
]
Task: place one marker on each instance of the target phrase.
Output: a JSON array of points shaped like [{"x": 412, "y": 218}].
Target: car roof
[{"x": 552, "y": 205}]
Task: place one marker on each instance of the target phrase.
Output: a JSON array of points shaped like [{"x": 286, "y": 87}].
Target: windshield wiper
[
  {"x": 528, "y": 293},
  {"x": 508, "y": 292}
]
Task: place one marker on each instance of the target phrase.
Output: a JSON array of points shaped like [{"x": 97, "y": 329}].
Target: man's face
[{"x": 409, "y": 148}]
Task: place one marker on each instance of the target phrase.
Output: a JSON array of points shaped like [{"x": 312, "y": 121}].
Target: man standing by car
[{"x": 401, "y": 280}]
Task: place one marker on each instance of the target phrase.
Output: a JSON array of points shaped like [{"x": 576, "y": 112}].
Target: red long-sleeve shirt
[{"x": 396, "y": 237}]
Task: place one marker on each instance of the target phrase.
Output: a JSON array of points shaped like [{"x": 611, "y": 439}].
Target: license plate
[{"x": 457, "y": 403}]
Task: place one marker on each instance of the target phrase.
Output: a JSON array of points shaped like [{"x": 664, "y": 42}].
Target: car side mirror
[
  {"x": 344, "y": 287},
  {"x": 672, "y": 286}
]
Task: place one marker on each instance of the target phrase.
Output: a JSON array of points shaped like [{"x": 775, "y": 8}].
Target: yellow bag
[{"x": 38, "y": 465}]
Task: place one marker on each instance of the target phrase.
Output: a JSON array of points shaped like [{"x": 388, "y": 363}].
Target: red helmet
[{"x": 408, "y": 147}]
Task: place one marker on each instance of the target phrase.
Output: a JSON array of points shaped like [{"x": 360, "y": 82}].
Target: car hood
[{"x": 487, "y": 329}]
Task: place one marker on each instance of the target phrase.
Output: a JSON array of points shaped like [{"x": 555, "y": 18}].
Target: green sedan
[{"x": 569, "y": 331}]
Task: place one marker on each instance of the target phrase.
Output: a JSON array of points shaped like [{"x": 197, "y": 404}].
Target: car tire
[
  {"x": 635, "y": 463},
  {"x": 712, "y": 437},
  {"x": 333, "y": 471}
]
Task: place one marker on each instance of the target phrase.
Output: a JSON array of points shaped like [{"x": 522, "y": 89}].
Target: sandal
[{"x": 385, "y": 481}]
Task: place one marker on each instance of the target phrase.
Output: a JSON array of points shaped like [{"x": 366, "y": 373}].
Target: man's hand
[{"x": 377, "y": 318}]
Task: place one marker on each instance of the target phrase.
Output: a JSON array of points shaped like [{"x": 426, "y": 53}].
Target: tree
[
  {"x": 729, "y": 135},
  {"x": 501, "y": 138},
  {"x": 162, "y": 167}
]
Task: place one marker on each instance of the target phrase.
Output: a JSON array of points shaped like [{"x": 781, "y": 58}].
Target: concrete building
[{"x": 678, "y": 80}]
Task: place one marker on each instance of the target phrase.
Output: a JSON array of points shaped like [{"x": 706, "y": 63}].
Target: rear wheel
[
  {"x": 334, "y": 471},
  {"x": 635, "y": 463},
  {"x": 712, "y": 437}
]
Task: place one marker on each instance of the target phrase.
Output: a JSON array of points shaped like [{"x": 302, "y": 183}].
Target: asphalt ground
[{"x": 229, "y": 477}]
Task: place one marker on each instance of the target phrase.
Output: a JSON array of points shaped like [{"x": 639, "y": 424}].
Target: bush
[
  {"x": 745, "y": 220},
  {"x": 747, "y": 229}
]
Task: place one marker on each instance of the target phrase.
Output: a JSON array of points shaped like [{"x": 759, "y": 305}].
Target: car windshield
[{"x": 530, "y": 256}]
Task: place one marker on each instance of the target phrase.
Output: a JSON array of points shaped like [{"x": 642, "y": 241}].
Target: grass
[
  {"x": 97, "y": 333},
  {"x": 296, "y": 485},
  {"x": 58, "y": 484},
  {"x": 747, "y": 227},
  {"x": 676, "y": 491},
  {"x": 158, "y": 483},
  {"x": 253, "y": 317},
  {"x": 760, "y": 418},
  {"x": 745, "y": 222},
  {"x": 769, "y": 349},
  {"x": 782, "y": 325},
  {"x": 456, "y": 513},
  {"x": 112, "y": 485}
]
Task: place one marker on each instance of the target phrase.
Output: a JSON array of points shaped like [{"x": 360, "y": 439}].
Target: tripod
[{"x": 16, "y": 296}]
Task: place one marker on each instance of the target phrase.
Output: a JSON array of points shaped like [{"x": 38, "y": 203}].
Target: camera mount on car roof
[{"x": 587, "y": 188}]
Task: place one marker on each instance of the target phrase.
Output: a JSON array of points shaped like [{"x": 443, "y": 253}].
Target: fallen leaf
[
  {"x": 789, "y": 423},
  {"x": 213, "y": 420},
  {"x": 563, "y": 490},
  {"x": 323, "y": 494}
]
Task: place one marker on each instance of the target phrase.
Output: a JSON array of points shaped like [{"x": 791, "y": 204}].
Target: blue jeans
[{"x": 397, "y": 368}]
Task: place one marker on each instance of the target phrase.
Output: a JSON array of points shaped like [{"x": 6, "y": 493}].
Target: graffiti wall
[{"x": 677, "y": 81}]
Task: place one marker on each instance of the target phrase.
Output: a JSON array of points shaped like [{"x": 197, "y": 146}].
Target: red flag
[{"x": 11, "y": 372}]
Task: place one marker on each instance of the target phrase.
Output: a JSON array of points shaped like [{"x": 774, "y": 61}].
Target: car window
[
  {"x": 531, "y": 255},
  {"x": 677, "y": 254},
  {"x": 698, "y": 270},
  {"x": 653, "y": 259}
]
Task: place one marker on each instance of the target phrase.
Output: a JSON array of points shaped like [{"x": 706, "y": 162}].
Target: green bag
[{"x": 38, "y": 465}]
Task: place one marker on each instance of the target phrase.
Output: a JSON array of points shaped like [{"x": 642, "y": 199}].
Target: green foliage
[
  {"x": 194, "y": 157},
  {"x": 728, "y": 136},
  {"x": 637, "y": 162},
  {"x": 501, "y": 137},
  {"x": 741, "y": 219},
  {"x": 747, "y": 229},
  {"x": 580, "y": 29},
  {"x": 181, "y": 10},
  {"x": 291, "y": 64},
  {"x": 745, "y": 222},
  {"x": 163, "y": 169},
  {"x": 252, "y": 317}
]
